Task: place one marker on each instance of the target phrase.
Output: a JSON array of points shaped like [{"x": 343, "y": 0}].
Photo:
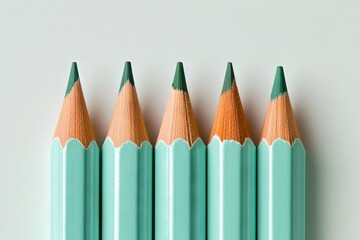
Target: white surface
[{"x": 318, "y": 44}]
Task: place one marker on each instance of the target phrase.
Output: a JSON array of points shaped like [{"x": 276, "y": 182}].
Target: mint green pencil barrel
[
  {"x": 74, "y": 170},
  {"x": 280, "y": 170},
  {"x": 127, "y": 169},
  {"x": 180, "y": 170},
  {"x": 231, "y": 170}
]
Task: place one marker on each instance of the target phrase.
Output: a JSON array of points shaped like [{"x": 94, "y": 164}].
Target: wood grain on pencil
[
  {"x": 127, "y": 122},
  {"x": 74, "y": 121},
  {"x": 230, "y": 122},
  {"x": 179, "y": 120},
  {"x": 280, "y": 121}
]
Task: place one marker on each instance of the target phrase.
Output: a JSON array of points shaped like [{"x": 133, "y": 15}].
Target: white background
[{"x": 317, "y": 42}]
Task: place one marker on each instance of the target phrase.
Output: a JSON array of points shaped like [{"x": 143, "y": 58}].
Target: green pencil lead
[
  {"x": 73, "y": 78},
  {"x": 229, "y": 78},
  {"x": 127, "y": 75},
  {"x": 179, "y": 78},
  {"x": 279, "y": 87}
]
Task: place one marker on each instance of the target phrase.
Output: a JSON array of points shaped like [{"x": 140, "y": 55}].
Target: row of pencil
[{"x": 183, "y": 190}]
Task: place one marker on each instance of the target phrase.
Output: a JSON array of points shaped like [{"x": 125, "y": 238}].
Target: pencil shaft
[
  {"x": 74, "y": 191},
  {"x": 281, "y": 191},
  {"x": 127, "y": 191},
  {"x": 231, "y": 175},
  {"x": 180, "y": 191}
]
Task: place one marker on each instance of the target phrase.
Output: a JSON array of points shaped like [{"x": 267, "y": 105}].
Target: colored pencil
[
  {"x": 281, "y": 170},
  {"x": 180, "y": 169},
  {"x": 74, "y": 169},
  {"x": 231, "y": 172},
  {"x": 127, "y": 169}
]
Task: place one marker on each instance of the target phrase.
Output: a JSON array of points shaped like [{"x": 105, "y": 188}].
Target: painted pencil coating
[
  {"x": 231, "y": 175},
  {"x": 281, "y": 190},
  {"x": 180, "y": 190},
  {"x": 127, "y": 191},
  {"x": 74, "y": 190}
]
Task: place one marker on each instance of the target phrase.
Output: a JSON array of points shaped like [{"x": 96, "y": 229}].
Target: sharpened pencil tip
[
  {"x": 229, "y": 78},
  {"x": 73, "y": 78},
  {"x": 127, "y": 75},
  {"x": 179, "y": 82},
  {"x": 279, "y": 86}
]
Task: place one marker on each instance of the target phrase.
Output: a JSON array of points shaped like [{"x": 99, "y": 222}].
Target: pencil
[
  {"x": 127, "y": 169},
  {"x": 231, "y": 172},
  {"x": 180, "y": 169},
  {"x": 74, "y": 169},
  {"x": 281, "y": 170}
]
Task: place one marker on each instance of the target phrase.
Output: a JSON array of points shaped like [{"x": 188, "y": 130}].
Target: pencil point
[
  {"x": 229, "y": 78},
  {"x": 279, "y": 86},
  {"x": 73, "y": 78},
  {"x": 179, "y": 78},
  {"x": 127, "y": 75}
]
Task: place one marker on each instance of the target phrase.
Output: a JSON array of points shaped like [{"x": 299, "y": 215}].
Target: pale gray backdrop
[{"x": 318, "y": 43}]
